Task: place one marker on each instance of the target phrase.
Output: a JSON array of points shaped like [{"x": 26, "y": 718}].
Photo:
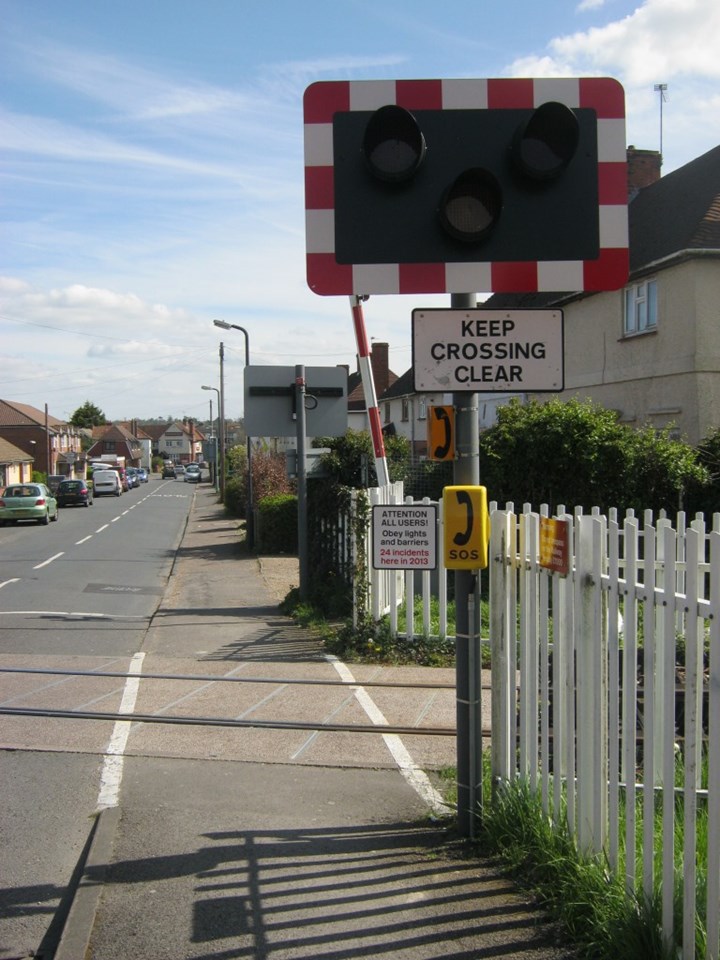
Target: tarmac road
[{"x": 257, "y": 843}]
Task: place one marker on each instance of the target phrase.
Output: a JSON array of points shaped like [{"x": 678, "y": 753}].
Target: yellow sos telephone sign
[{"x": 466, "y": 524}]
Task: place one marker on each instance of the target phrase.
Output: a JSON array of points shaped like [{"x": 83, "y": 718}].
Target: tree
[
  {"x": 351, "y": 461},
  {"x": 88, "y": 415}
]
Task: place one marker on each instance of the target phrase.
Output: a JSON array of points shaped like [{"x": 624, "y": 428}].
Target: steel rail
[
  {"x": 225, "y": 722},
  {"x": 53, "y": 671}
]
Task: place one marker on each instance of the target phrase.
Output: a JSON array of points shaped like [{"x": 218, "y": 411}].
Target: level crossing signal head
[{"x": 466, "y": 185}]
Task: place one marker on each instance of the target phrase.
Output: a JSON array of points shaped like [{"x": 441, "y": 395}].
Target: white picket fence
[{"x": 586, "y": 692}]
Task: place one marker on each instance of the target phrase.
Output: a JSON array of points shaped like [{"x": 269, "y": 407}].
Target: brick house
[
  {"x": 116, "y": 439},
  {"x": 54, "y": 446},
  {"x": 179, "y": 441}
]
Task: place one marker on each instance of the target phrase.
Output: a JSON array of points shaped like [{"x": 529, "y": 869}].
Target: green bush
[
  {"x": 707, "y": 498},
  {"x": 269, "y": 478},
  {"x": 577, "y": 453},
  {"x": 235, "y": 496},
  {"x": 277, "y": 527}
]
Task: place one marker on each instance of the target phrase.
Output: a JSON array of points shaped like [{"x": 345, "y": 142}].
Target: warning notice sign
[
  {"x": 404, "y": 537},
  {"x": 483, "y": 351}
]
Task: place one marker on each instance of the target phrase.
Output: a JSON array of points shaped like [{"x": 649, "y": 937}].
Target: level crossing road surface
[{"x": 141, "y": 839}]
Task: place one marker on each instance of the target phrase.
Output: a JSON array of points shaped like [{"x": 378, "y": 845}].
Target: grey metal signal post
[
  {"x": 298, "y": 402},
  {"x": 466, "y": 470},
  {"x": 303, "y": 549}
]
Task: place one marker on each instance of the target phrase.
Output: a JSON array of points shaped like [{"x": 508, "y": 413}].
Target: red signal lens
[{"x": 546, "y": 142}]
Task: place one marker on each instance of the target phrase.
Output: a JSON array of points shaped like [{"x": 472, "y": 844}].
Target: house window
[
  {"x": 405, "y": 409},
  {"x": 387, "y": 413},
  {"x": 109, "y": 446},
  {"x": 641, "y": 307},
  {"x": 422, "y": 408}
]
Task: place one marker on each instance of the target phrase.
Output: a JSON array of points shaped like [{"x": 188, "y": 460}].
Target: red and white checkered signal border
[{"x": 328, "y": 277}]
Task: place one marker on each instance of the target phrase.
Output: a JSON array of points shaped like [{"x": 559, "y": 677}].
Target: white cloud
[
  {"x": 660, "y": 40},
  {"x": 13, "y": 286}
]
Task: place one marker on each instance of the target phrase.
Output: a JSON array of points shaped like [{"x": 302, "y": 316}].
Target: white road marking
[
  {"x": 112, "y": 771},
  {"x": 87, "y": 614},
  {"x": 84, "y": 539},
  {"x": 415, "y": 777},
  {"x": 12, "y": 580},
  {"x": 49, "y": 560},
  {"x": 103, "y": 527}
]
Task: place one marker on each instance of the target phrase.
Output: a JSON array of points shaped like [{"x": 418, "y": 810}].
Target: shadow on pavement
[{"x": 343, "y": 892}]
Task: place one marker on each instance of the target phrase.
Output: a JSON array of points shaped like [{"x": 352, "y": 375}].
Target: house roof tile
[
  {"x": 22, "y": 414},
  {"x": 9, "y": 453},
  {"x": 680, "y": 211}
]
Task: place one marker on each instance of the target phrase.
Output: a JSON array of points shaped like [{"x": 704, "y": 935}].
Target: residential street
[{"x": 221, "y": 842}]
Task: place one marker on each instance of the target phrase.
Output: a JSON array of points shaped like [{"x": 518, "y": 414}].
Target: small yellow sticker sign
[
  {"x": 466, "y": 523},
  {"x": 555, "y": 545}
]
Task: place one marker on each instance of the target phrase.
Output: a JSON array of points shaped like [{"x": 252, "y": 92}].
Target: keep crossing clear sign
[{"x": 488, "y": 350}]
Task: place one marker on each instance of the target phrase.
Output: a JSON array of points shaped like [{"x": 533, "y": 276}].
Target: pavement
[{"x": 290, "y": 844}]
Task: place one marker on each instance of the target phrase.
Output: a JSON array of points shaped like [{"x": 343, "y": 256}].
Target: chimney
[
  {"x": 643, "y": 169},
  {"x": 380, "y": 369}
]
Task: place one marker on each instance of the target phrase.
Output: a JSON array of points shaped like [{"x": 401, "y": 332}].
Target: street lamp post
[
  {"x": 221, "y": 422},
  {"x": 249, "y": 524},
  {"x": 220, "y": 431}
]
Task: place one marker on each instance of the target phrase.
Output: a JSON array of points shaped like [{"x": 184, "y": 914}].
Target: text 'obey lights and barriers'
[{"x": 433, "y": 186}]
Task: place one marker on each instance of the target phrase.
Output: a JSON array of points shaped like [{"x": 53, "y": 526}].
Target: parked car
[
  {"x": 115, "y": 468},
  {"x": 53, "y": 481},
  {"x": 143, "y": 475},
  {"x": 27, "y": 501},
  {"x": 168, "y": 471},
  {"x": 106, "y": 482},
  {"x": 74, "y": 493},
  {"x": 132, "y": 476},
  {"x": 192, "y": 473}
]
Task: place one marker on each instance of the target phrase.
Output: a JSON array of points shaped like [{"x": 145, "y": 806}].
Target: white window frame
[
  {"x": 422, "y": 408},
  {"x": 640, "y": 308}
]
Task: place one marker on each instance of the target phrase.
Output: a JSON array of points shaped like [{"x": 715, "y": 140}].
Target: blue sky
[{"x": 151, "y": 170}]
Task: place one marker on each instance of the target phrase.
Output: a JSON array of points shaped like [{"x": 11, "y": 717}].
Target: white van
[{"x": 106, "y": 481}]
